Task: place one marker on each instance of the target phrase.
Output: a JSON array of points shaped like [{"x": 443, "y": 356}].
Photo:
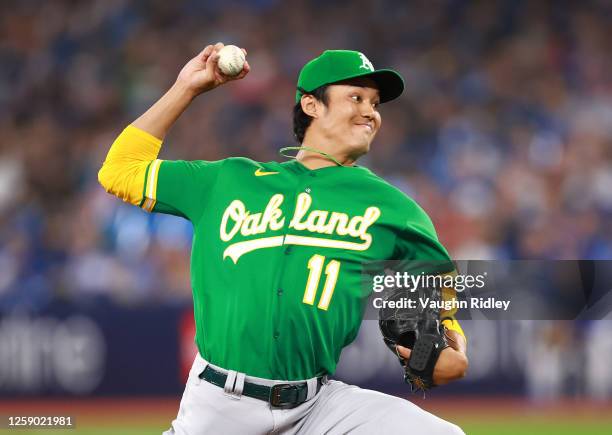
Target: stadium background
[{"x": 504, "y": 136}]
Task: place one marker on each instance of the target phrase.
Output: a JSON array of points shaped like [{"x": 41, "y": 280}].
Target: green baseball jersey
[{"x": 277, "y": 256}]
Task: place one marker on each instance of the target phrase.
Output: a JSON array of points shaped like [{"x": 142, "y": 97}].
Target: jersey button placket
[{"x": 278, "y": 312}]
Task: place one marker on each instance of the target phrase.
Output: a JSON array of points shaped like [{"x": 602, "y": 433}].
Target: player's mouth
[{"x": 367, "y": 126}]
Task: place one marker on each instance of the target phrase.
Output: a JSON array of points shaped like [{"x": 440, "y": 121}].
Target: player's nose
[
  {"x": 369, "y": 115},
  {"x": 367, "y": 110}
]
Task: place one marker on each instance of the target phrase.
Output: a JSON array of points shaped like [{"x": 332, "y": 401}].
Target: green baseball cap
[{"x": 337, "y": 65}]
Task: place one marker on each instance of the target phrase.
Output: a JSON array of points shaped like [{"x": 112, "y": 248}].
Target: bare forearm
[
  {"x": 453, "y": 362},
  {"x": 162, "y": 115},
  {"x": 136, "y": 149}
]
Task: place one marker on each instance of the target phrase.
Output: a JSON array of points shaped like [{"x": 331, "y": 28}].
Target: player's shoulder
[
  {"x": 403, "y": 203},
  {"x": 244, "y": 163},
  {"x": 374, "y": 181},
  {"x": 232, "y": 165},
  {"x": 224, "y": 165}
]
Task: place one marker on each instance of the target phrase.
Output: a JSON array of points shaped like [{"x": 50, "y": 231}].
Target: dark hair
[{"x": 301, "y": 121}]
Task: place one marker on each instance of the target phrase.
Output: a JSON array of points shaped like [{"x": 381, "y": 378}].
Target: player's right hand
[{"x": 202, "y": 74}]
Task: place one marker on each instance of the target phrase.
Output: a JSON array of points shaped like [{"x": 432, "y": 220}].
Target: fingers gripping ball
[
  {"x": 231, "y": 60},
  {"x": 417, "y": 328}
]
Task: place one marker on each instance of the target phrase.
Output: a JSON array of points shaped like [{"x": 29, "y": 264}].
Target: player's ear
[{"x": 310, "y": 106}]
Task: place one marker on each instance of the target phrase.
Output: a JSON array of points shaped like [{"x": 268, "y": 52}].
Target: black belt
[{"x": 279, "y": 395}]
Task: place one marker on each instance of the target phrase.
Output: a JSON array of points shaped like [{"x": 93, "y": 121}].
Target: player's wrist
[
  {"x": 184, "y": 90},
  {"x": 456, "y": 341},
  {"x": 451, "y": 366}
]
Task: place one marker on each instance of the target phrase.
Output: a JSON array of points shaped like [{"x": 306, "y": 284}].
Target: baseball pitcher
[{"x": 277, "y": 255}]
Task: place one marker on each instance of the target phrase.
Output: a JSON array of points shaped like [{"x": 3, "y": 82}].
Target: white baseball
[{"x": 231, "y": 60}]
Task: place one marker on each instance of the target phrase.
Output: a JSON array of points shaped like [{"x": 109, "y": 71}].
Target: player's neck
[
  {"x": 323, "y": 158},
  {"x": 313, "y": 160}
]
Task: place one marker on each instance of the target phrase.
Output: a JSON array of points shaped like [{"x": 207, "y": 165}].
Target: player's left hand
[{"x": 452, "y": 363}]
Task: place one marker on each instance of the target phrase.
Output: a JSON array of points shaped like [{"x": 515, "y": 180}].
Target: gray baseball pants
[{"x": 337, "y": 408}]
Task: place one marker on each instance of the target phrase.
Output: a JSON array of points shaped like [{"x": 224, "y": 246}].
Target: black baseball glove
[{"x": 416, "y": 328}]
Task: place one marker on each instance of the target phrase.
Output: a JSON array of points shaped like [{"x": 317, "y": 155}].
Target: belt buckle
[{"x": 275, "y": 395}]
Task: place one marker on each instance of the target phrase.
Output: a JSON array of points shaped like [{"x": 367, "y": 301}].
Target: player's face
[{"x": 351, "y": 118}]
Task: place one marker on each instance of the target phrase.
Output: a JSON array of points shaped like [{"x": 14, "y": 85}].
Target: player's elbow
[
  {"x": 105, "y": 177},
  {"x": 125, "y": 180},
  {"x": 113, "y": 177}
]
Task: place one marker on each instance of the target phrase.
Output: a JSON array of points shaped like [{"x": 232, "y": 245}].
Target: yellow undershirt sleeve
[
  {"x": 448, "y": 316},
  {"x": 453, "y": 324},
  {"x": 131, "y": 159}
]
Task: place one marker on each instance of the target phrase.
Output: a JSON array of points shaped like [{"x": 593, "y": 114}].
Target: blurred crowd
[{"x": 503, "y": 135}]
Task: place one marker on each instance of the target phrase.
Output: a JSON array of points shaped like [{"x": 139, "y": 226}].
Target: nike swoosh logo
[{"x": 260, "y": 173}]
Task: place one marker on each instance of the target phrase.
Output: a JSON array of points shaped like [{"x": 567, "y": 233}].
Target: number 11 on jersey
[{"x": 315, "y": 265}]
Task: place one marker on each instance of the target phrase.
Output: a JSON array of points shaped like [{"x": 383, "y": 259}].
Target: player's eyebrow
[
  {"x": 363, "y": 87},
  {"x": 376, "y": 98}
]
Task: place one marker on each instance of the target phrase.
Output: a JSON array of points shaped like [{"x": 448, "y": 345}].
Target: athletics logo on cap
[
  {"x": 334, "y": 66},
  {"x": 365, "y": 63}
]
